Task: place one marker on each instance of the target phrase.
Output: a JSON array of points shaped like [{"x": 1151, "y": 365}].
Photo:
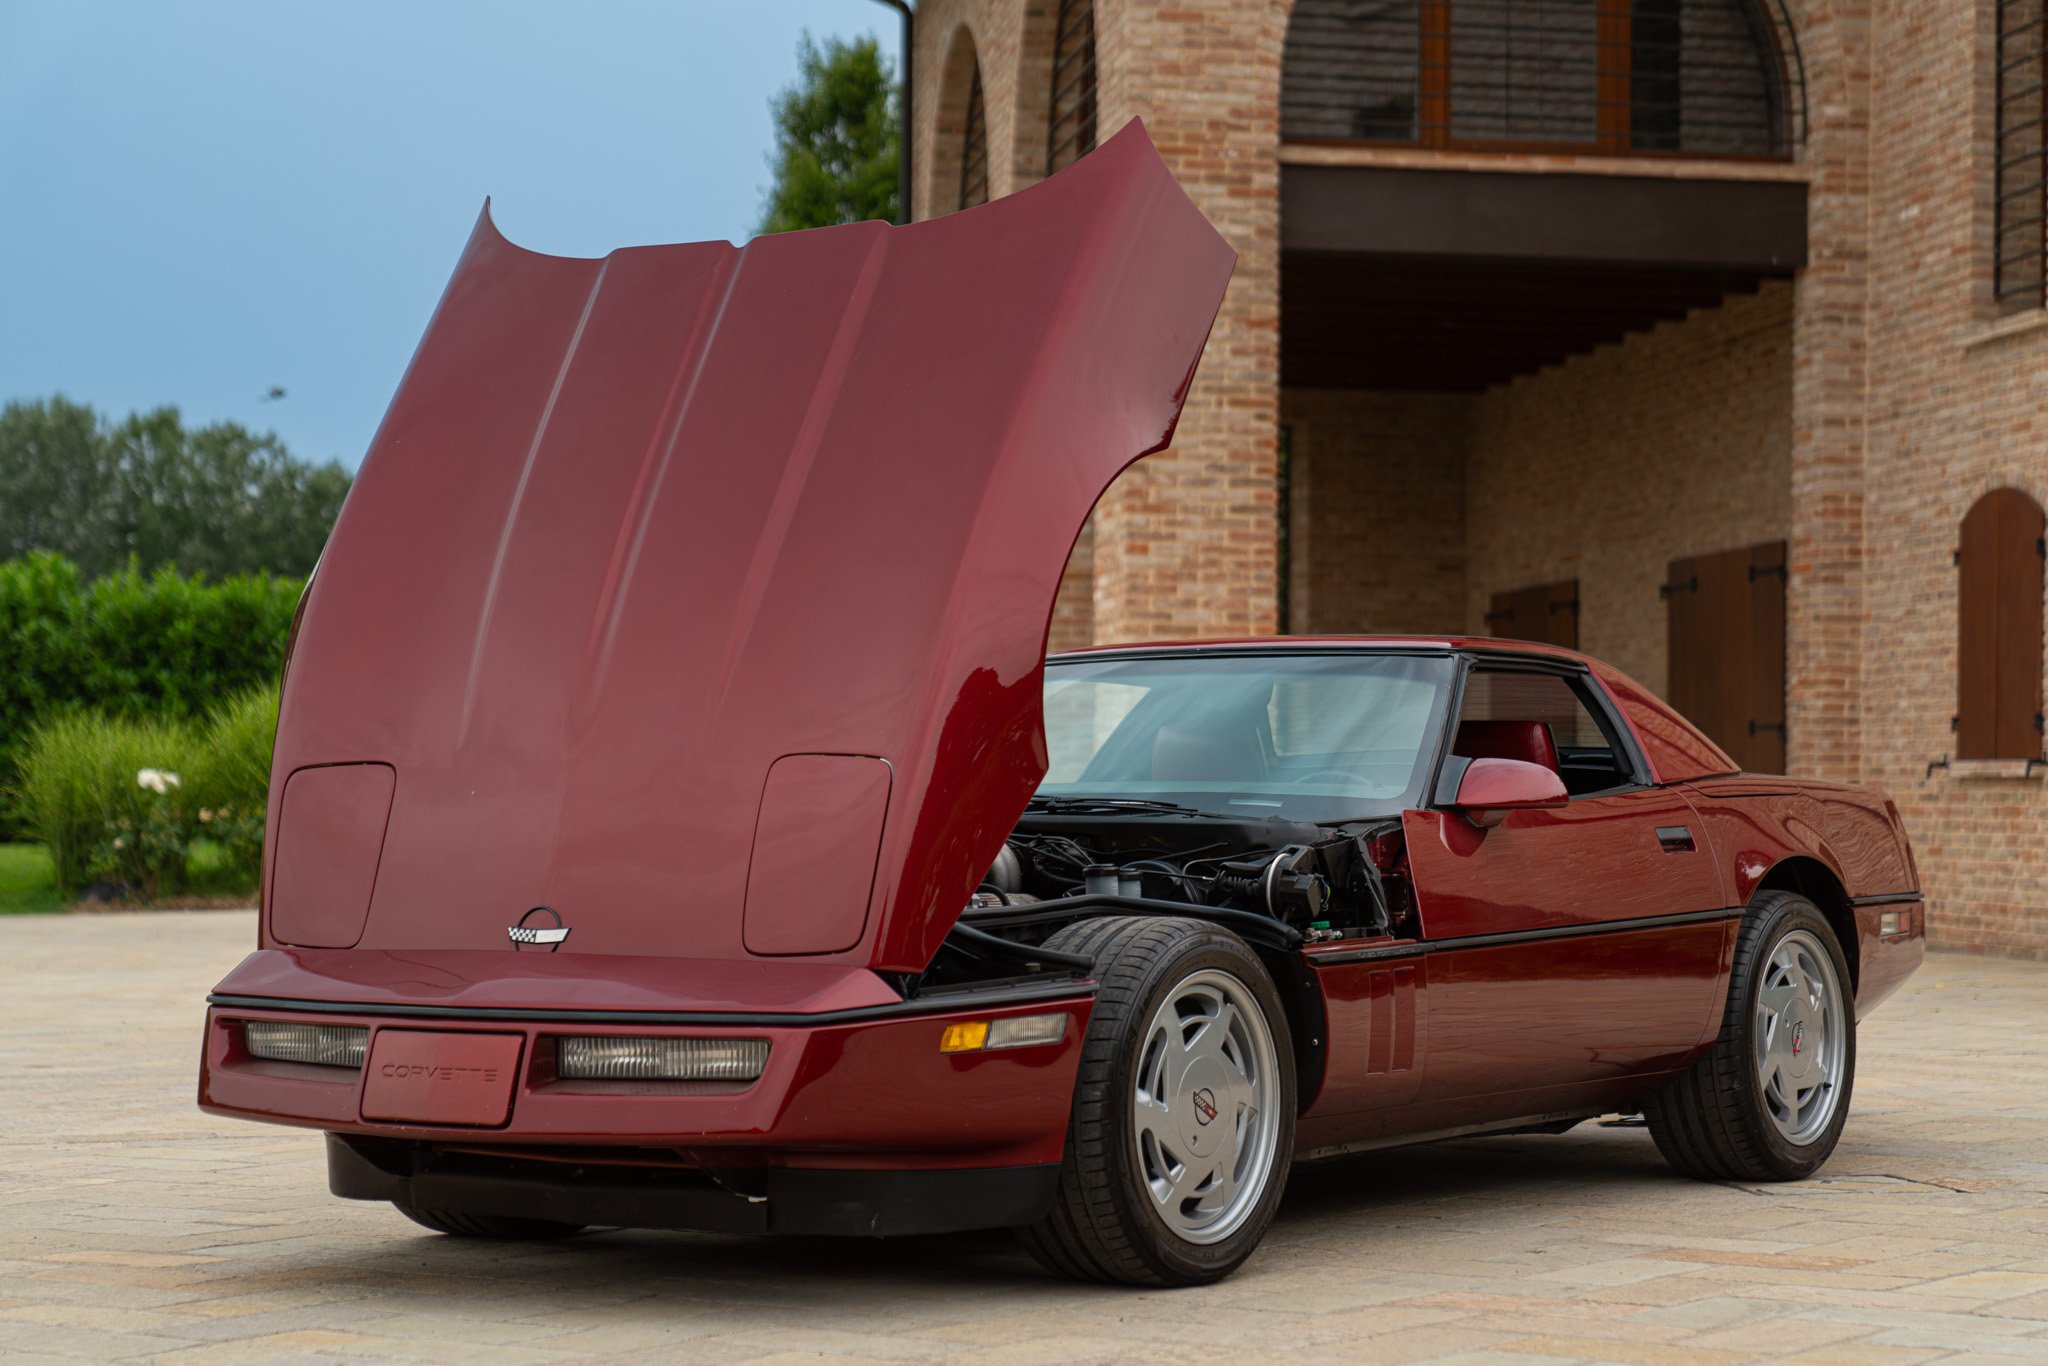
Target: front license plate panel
[{"x": 419, "y": 1077}]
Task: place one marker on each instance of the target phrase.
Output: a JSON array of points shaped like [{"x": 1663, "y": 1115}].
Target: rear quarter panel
[{"x": 1756, "y": 822}]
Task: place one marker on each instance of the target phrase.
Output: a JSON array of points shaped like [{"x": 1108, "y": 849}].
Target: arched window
[
  {"x": 974, "y": 146},
  {"x": 1620, "y": 77},
  {"x": 1998, "y": 628},
  {"x": 1070, "y": 125}
]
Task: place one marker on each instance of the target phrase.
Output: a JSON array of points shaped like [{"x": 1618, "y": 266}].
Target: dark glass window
[
  {"x": 974, "y": 146},
  {"x": 2022, "y": 151},
  {"x": 1070, "y": 128},
  {"x": 1689, "y": 77}
]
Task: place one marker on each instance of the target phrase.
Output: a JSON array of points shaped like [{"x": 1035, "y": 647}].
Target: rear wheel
[
  {"x": 1183, "y": 1121},
  {"x": 487, "y": 1225},
  {"x": 1769, "y": 1101}
]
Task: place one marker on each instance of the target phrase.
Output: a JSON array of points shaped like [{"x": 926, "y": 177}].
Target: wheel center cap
[
  {"x": 1204, "y": 1105},
  {"x": 1800, "y": 1045}
]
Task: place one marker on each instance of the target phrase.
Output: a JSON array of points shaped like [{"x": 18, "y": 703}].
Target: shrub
[
  {"x": 79, "y": 794},
  {"x": 123, "y": 801},
  {"x": 229, "y": 783},
  {"x": 129, "y": 645}
]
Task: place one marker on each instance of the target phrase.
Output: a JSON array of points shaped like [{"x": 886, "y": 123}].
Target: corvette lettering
[{"x": 404, "y": 1070}]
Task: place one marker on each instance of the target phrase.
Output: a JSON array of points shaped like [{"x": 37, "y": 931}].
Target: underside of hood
[{"x": 699, "y": 593}]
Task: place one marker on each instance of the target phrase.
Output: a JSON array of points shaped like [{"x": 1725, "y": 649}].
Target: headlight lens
[
  {"x": 322, "y": 1045},
  {"x": 626, "y": 1059}
]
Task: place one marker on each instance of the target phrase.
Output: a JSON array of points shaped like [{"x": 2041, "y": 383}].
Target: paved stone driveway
[{"x": 133, "y": 1227}]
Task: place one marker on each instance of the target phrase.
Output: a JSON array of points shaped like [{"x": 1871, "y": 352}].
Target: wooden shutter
[
  {"x": 1548, "y": 612},
  {"x": 1726, "y": 650},
  {"x": 1998, "y": 628}
]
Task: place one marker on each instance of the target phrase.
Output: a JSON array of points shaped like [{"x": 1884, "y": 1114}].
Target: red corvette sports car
[{"x": 675, "y": 823}]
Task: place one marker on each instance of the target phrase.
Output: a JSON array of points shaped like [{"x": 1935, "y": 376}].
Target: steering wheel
[{"x": 1340, "y": 775}]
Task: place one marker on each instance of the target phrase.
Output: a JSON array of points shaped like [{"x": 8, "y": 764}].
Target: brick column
[
  {"x": 1825, "y": 607},
  {"x": 1185, "y": 543}
]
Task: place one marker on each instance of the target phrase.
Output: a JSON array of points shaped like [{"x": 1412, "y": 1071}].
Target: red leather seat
[{"x": 1529, "y": 741}]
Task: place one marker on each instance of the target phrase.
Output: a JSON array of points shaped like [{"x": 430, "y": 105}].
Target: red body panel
[
  {"x": 635, "y": 529},
  {"x": 484, "y": 979},
  {"x": 875, "y": 1093}
]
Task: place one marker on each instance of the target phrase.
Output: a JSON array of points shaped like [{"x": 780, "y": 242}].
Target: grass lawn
[{"x": 28, "y": 880}]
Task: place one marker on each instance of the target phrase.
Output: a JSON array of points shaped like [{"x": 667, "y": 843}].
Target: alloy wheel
[
  {"x": 1800, "y": 1037},
  {"x": 1205, "y": 1122}
]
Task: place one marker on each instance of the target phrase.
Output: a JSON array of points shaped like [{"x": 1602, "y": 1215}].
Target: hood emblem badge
[{"x": 526, "y": 934}]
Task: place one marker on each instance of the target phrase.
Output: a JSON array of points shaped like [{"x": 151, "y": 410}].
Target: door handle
[{"x": 1674, "y": 839}]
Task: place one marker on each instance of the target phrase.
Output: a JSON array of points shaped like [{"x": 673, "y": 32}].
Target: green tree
[
  {"x": 836, "y": 139},
  {"x": 215, "y": 501}
]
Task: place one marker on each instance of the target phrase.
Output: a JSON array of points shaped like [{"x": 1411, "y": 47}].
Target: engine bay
[{"x": 1276, "y": 882}]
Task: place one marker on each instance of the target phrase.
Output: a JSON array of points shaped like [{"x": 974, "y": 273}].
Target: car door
[{"x": 1568, "y": 946}]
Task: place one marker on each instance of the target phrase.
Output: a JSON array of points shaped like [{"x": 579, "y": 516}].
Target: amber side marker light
[
  {"x": 321, "y": 1045},
  {"x": 1019, "y": 1031},
  {"x": 675, "y": 1059}
]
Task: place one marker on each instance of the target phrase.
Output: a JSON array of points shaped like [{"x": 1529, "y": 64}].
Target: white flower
[{"x": 157, "y": 780}]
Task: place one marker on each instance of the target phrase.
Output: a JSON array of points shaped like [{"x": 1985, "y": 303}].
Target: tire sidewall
[
  {"x": 1176, "y": 1258},
  {"x": 1772, "y": 926}
]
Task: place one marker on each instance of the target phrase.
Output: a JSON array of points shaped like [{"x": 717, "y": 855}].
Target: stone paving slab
[{"x": 134, "y": 1228}]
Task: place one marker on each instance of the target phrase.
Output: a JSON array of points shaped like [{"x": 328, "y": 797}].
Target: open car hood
[{"x": 700, "y": 593}]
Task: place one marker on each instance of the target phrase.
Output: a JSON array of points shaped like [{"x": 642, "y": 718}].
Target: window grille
[
  {"x": 1070, "y": 129},
  {"x": 1619, "y": 77},
  {"x": 2022, "y": 175},
  {"x": 974, "y": 146}
]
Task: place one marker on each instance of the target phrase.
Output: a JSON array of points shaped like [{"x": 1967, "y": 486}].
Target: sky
[{"x": 202, "y": 200}]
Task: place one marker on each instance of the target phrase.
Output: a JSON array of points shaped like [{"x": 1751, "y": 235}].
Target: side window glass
[{"x": 1541, "y": 718}]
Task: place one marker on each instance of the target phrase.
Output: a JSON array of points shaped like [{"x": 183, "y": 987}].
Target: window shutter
[
  {"x": 1548, "y": 613},
  {"x": 1998, "y": 628},
  {"x": 1726, "y": 650}
]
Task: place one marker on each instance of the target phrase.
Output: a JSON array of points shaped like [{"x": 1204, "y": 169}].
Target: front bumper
[
  {"x": 850, "y": 1105},
  {"x": 808, "y": 1202}
]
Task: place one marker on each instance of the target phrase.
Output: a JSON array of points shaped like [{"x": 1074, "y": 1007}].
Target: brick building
[{"x": 1705, "y": 334}]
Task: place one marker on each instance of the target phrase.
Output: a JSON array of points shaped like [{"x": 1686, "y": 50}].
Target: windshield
[{"x": 1310, "y": 737}]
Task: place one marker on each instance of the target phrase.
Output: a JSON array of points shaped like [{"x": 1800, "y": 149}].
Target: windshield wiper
[{"x": 1105, "y": 806}]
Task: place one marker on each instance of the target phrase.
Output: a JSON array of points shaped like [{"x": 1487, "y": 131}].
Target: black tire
[
  {"x": 1713, "y": 1122},
  {"x": 500, "y": 1226},
  {"x": 1105, "y": 1226}
]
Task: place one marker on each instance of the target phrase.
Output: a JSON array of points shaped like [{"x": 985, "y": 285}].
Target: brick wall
[
  {"x": 1187, "y": 541},
  {"x": 1958, "y": 405},
  {"x": 1377, "y": 513},
  {"x": 1674, "y": 442},
  {"x": 1857, "y": 413}
]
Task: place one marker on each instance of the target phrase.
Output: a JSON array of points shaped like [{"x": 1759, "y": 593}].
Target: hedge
[
  {"x": 121, "y": 801},
  {"x": 161, "y": 647}
]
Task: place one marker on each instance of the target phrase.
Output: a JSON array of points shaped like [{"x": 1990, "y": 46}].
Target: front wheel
[
  {"x": 1183, "y": 1121},
  {"x": 1769, "y": 1101}
]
